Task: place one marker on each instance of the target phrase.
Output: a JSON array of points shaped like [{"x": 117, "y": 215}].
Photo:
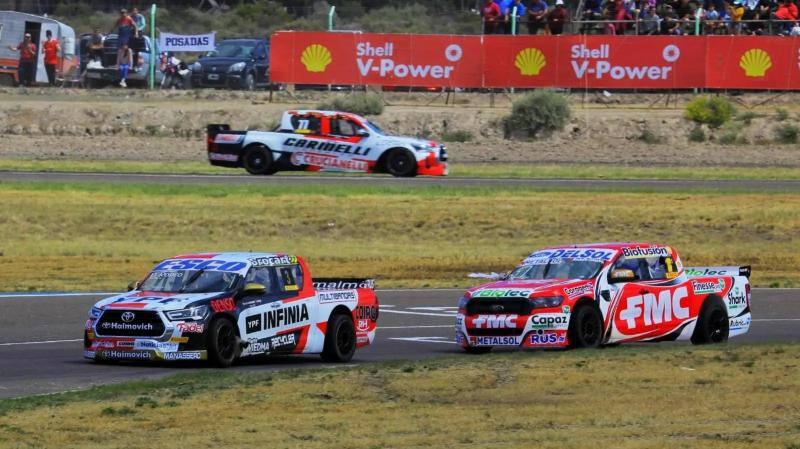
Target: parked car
[
  {"x": 223, "y": 306},
  {"x": 234, "y": 64},
  {"x": 604, "y": 293},
  {"x": 105, "y": 72},
  {"x": 311, "y": 140}
]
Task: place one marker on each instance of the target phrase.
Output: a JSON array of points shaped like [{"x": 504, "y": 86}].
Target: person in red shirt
[
  {"x": 490, "y": 13},
  {"x": 51, "y": 49},
  {"x": 556, "y": 19},
  {"x": 27, "y": 60}
]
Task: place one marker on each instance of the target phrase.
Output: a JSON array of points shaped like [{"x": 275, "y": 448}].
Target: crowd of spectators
[{"x": 674, "y": 17}]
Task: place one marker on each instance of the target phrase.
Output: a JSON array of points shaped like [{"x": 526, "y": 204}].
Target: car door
[
  {"x": 655, "y": 305},
  {"x": 306, "y": 134}
]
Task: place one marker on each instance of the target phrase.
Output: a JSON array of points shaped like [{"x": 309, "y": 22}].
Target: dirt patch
[{"x": 622, "y": 129}]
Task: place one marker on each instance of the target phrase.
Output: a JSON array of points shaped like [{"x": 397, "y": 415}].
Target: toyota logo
[
  {"x": 497, "y": 308},
  {"x": 128, "y": 316}
]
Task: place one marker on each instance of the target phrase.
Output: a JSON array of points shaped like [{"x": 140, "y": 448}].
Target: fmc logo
[
  {"x": 530, "y": 61},
  {"x": 755, "y": 63},
  {"x": 316, "y": 58}
]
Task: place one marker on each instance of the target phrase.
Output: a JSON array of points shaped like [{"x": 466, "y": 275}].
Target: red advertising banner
[
  {"x": 753, "y": 62},
  {"x": 618, "y": 62},
  {"x": 377, "y": 59}
]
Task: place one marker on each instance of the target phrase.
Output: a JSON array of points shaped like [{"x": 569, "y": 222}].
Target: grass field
[
  {"x": 654, "y": 397},
  {"x": 101, "y": 236},
  {"x": 471, "y": 170}
]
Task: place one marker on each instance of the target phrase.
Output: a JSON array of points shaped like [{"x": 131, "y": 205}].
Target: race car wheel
[
  {"x": 340, "y": 339},
  {"x": 257, "y": 160},
  {"x": 401, "y": 163},
  {"x": 477, "y": 349},
  {"x": 586, "y": 327},
  {"x": 223, "y": 343},
  {"x": 712, "y": 323}
]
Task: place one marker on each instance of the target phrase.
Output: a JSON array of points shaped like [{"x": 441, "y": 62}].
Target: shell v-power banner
[{"x": 623, "y": 62}]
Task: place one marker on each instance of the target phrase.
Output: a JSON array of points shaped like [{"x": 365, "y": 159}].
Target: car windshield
[
  {"x": 232, "y": 50},
  {"x": 557, "y": 269},
  {"x": 190, "y": 281},
  {"x": 374, "y": 127}
]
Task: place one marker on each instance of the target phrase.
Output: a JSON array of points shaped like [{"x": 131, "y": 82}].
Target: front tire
[
  {"x": 222, "y": 343},
  {"x": 340, "y": 340},
  {"x": 257, "y": 160},
  {"x": 586, "y": 327},
  {"x": 712, "y": 323},
  {"x": 401, "y": 163}
]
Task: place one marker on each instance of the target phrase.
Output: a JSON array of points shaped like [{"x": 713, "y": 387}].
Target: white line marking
[
  {"x": 778, "y": 319},
  {"x": 419, "y": 313},
  {"x": 40, "y": 342},
  {"x": 55, "y": 295},
  {"x": 435, "y": 309},
  {"x": 426, "y": 340},
  {"x": 449, "y": 326},
  {"x": 422, "y": 290}
]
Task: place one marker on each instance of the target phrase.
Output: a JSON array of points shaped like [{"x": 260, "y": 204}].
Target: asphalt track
[
  {"x": 41, "y": 337},
  {"x": 384, "y": 181}
]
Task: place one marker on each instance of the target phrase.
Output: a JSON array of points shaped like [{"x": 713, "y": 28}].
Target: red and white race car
[
  {"x": 324, "y": 140},
  {"x": 597, "y": 294}
]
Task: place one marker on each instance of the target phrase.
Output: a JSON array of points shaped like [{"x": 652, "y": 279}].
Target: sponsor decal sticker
[
  {"x": 548, "y": 338},
  {"x": 223, "y": 305},
  {"x": 549, "y": 321},
  {"x": 179, "y": 339},
  {"x": 334, "y": 296},
  {"x": 708, "y": 286},
  {"x": 131, "y": 355},
  {"x": 736, "y": 298},
  {"x": 328, "y": 161},
  {"x": 648, "y": 310},
  {"x": 639, "y": 252},
  {"x": 739, "y": 323},
  {"x": 318, "y": 145},
  {"x": 577, "y": 254},
  {"x": 200, "y": 264},
  {"x": 229, "y": 138},
  {"x": 281, "y": 317},
  {"x": 191, "y": 328},
  {"x": 498, "y": 341},
  {"x": 223, "y": 157},
  {"x": 502, "y": 292},
  {"x": 367, "y": 313},
  {"x": 494, "y": 322},
  {"x": 284, "y": 342},
  {"x": 184, "y": 355},
  {"x": 155, "y": 345},
  {"x": 585, "y": 289},
  {"x": 273, "y": 261}
]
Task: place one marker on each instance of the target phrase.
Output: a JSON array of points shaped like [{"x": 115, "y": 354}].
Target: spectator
[
  {"x": 51, "y": 49},
  {"x": 138, "y": 20},
  {"x": 490, "y": 15},
  {"x": 787, "y": 13},
  {"x": 537, "y": 13},
  {"x": 650, "y": 21},
  {"x": 27, "y": 60},
  {"x": 125, "y": 29},
  {"x": 508, "y": 14},
  {"x": 124, "y": 62},
  {"x": 96, "y": 46},
  {"x": 711, "y": 19},
  {"x": 795, "y": 29},
  {"x": 557, "y": 18},
  {"x": 671, "y": 24}
]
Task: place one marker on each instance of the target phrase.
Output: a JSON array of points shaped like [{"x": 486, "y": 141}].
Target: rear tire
[
  {"x": 585, "y": 327},
  {"x": 257, "y": 160},
  {"x": 222, "y": 343},
  {"x": 340, "y": 340},
  {"x": 401, "y": 163},
  {"x": 712, "y": 323}
]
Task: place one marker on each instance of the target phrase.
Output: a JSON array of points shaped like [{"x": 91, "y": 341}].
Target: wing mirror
[
  {"x": 362, "y": 133},
  {"x": 254, "y": 289},
  {"x": 133, "y": 285},
  {"x": 621, "y": 275}
]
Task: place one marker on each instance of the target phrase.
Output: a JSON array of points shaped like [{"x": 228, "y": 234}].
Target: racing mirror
[
  {"x": 621, "y": 275},
  {"x": 133, "y": 285},
  {"x": 254, "y": 289},
  {"x": 362, "y": 133}
]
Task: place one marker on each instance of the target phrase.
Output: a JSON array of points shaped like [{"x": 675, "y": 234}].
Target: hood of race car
[
  {"x": 154, "y": 300},
  {"x": 413, "y": 141},
  {"x": 525, "y": 288}
]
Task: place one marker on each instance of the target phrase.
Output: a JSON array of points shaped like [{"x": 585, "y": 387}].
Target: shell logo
[
  {"x": 530, "y": 61},
  {"x": 755, "y": 62},
  {"x": 316, "y": 58}
]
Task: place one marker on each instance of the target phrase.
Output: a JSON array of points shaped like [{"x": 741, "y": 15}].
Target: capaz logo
[
  {"x": 530, "y": 61},
  {"x": 755, "y": 63},
  {"x": 554, "y": 321},
  {"x": 316, "y": 58}
]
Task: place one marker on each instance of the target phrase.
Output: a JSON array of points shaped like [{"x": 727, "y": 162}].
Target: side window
[
  {"x": 260, "y": 275},
  {"x": 305, "y": 124},
  {"x": 648, "y": 268},
  {"x": 343, "y": 127},
  {"x": 290, "y": 278}
]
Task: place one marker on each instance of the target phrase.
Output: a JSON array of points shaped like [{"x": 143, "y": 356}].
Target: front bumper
[
  {"x": 434, "y": 164},
  {"x": 546, "y": 329},
  {"x": 182, "y": 340}
]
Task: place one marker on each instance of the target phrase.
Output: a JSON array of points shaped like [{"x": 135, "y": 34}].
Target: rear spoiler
[
  {"x": 343, "y": 283},
  {"x": 719, "y": 271}
]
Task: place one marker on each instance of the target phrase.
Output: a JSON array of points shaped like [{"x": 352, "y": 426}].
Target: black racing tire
[
  {"x": 250, "y": 82},
  {"x": 477, "y": 350},
  {"x": 222, "y": 343},
  {"x": 340, "y": 340},
  {"x": 585, "y": 327},
  {"x": 712, "y": 324},
  {"x": 257, "y": 160},
  {"x": 401, "y": 163}
]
